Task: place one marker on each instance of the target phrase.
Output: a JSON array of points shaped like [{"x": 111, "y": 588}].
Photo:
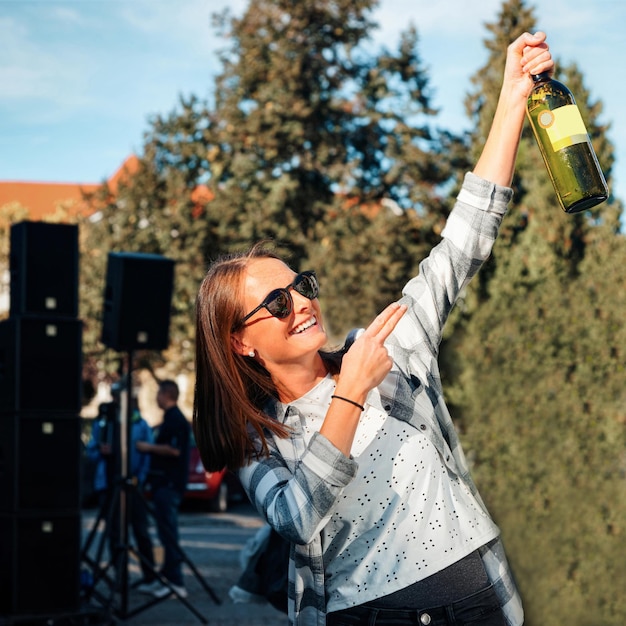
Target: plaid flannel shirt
[{"x": 296, "y": 488}]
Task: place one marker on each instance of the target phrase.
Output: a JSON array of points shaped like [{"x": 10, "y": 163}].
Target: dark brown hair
[
  {"x": 169, "y": 388},
  {"x": 231, "y": 390}
]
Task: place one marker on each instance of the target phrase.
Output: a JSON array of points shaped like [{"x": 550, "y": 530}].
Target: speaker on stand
[
  {"x": 136, "y": 316},
  {"x": 137, "y": 301},
  {"x": 40, "y": 402}
]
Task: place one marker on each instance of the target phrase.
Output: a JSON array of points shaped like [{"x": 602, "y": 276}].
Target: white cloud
[
  {"x": 187, "y": 23},
  {"x": 33, "y": 72},
  {"x": 112, "y": 63},
  {"x": 451, "y": 18},
  {"x": 65, "y": 14}
]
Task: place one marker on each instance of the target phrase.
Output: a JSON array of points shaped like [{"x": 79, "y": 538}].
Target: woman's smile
[{"x": 300, "y": 328}]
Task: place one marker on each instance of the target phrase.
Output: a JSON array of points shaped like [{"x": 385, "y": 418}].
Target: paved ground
[{"x": 213, "y": 543}]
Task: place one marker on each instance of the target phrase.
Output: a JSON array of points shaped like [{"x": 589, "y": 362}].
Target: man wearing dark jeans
[{"x": 168, "y": 477}]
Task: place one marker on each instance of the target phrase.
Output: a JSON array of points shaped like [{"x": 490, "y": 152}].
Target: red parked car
[{"x": 214, "y": 488}]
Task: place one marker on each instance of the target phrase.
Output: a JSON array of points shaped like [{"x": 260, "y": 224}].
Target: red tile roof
[{"x": 43, "y": 198}]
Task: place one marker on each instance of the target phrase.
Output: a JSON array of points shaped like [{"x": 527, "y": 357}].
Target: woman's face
[{"x": 278, "y": 342}]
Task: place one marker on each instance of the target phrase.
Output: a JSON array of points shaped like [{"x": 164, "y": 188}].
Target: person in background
[
  {"x": 104, "y": 448},
  {"x": 168, "y": 479},
  {"x": 352, "y": 455},
  {"x": 264, "y": 561}
]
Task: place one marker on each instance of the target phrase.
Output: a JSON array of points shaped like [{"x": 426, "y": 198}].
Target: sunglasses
[{"x": 279, "y": 302}]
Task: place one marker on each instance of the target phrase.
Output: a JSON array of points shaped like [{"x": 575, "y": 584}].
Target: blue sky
[{"x": 79, "y": 79}]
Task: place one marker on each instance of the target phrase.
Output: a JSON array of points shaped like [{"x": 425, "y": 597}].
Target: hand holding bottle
[{"x": 528, "y": 54}]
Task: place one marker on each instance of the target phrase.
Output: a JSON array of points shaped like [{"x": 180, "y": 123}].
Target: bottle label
[{"x": 564, "y": 126}]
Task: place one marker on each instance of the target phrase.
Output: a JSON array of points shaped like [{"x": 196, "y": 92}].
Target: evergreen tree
[
  {"x": 316, "y": 134},
  {"x": 154, "y": 211},
  {"x": 537, "y": 367},
  {"x": 310, "y": 137}
]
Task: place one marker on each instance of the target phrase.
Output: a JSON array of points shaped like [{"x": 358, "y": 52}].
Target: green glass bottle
[{"x": 565, "y": 145}]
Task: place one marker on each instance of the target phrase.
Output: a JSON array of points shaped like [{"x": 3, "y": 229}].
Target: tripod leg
[
  {"x": 185, "y": 558},
  {"x": 140, "y": 502},
  {"x": 94, "y": 529},
  {"x": 199, "y": 577},
  {"x": 104, "y": 514}
]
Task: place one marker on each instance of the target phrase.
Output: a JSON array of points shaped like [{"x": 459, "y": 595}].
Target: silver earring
[{"x": 251, "y": 354}]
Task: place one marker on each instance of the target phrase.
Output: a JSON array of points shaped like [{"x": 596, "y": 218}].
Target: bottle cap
[{"x": 540, "y": 78}]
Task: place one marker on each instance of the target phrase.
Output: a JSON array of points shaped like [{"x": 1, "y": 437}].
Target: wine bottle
[{"x": 565, "y": 145}]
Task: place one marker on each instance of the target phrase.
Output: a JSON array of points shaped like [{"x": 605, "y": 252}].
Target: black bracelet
[{"x": 350, "y": 402}]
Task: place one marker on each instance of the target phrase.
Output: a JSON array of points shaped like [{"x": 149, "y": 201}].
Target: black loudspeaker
[
  {"x": 137, "y": 301},
  {"x": 40, "y": 364},
  {"x": 44, "y": 269},
  {"x": 39, "y": 563},
  {"x": 39, "y": 463}
]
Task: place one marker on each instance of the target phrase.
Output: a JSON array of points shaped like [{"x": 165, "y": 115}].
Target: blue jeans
[
  {"x": 478, "y": 609},
  {"x": 166, "y": 502}
]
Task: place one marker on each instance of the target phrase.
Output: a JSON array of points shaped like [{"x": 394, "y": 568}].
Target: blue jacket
[{"x": 139, "y": 462}]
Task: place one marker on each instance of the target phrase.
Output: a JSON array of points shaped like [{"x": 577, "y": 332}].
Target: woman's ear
[{"x": 238, "y": 346}]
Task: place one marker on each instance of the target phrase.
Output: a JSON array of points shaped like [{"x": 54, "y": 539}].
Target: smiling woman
[
  {"x": 352, "y": 456},
  {"x": 286, "y": 326}
]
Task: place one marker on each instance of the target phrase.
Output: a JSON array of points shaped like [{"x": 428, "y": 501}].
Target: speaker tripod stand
[
  {"x": 121, "y": 500},
  {"x": 114, "y": 573}
]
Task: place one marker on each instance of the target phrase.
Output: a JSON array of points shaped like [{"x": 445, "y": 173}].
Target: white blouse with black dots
[{"x": 403, "y": 517}]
